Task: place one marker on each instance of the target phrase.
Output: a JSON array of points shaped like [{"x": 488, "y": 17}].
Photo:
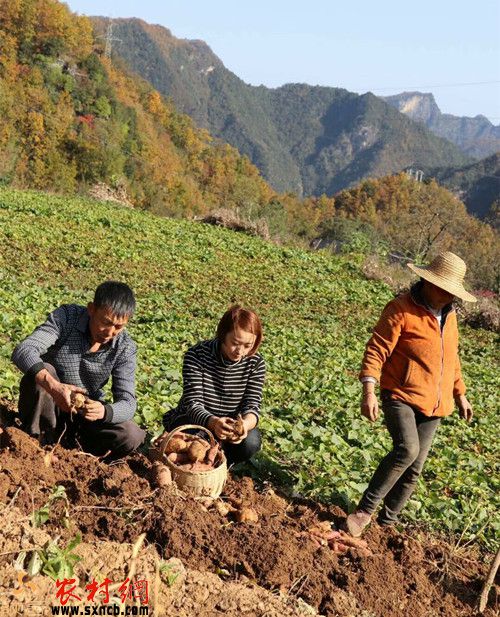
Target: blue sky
[{"x": 449, "y": 48}]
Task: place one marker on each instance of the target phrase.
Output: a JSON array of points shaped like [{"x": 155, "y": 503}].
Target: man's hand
[
  {"x": 464, "y": 407},
  {"x": 93, "y": 410},
  {"x": 60, "y": 392},
  {"x": 369, "y": 402},
  {"x": 221, "y": 427}
]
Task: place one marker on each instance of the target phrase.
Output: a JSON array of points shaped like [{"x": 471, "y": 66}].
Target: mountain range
[
  {"x": 306, "y": 139},
  {"x": 477, "y": 137}
]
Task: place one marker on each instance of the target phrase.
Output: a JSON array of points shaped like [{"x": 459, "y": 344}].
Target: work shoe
[{"x": 357, "y": 521}]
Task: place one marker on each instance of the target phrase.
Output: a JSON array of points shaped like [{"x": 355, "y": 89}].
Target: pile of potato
[
  {"x": 340, "y": 541},
  {"x": 187, "y": 452},
  {"x": 193, "y": 453}
]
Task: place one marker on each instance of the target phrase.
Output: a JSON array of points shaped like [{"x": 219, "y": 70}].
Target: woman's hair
[{"x": 239, "y": 317}]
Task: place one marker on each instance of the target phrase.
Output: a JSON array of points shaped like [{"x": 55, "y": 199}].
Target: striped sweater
[{"x": 214, "y": 386}]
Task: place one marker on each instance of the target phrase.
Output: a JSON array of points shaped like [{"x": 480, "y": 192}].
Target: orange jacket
[{"x": 414, "y": 358}]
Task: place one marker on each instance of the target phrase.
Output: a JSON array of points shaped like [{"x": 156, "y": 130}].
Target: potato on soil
[
  {"x": 160, "y": 474},
  {"x": 223, "y": 508},
  {"x": 246, "y": 515}
]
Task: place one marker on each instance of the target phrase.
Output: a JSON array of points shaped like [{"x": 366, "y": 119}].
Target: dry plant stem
[
  {"x": 133, "y": 561},
  {"x": 299, "y": 583},
  {"x": 96, "y": 458},
  {"x": 50, "y": 453},
  {"x": 483, "y": 598},
  {"x": 30, "y": 549},
  {"x": 156, "y": 593},
  {"x": 143, "y": 505},
  {"x": 11, "y": 502},
  {"x": 59, "y": 440}
]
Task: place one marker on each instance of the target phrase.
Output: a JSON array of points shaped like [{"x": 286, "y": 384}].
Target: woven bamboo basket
[{"x": 197, "y": 483}]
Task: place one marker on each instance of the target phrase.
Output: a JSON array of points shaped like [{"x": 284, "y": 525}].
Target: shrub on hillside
[
  {"x": 418, "y": 220},
  {"x": 483, "y": 314}
]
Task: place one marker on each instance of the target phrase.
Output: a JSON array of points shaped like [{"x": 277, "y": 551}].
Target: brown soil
[{"x": 407, "y": 574}]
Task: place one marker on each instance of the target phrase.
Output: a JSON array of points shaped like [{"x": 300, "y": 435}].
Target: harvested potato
[
  {"x": 78, "y": 400},
  {"x": 198, "y": 466},
  {"x": 178, "y": 458},
  {"x": 160, "y": 474},
  {"x": 177, "y": 444},
  {"x": 246, "y": 515},
  {"x": 212, "y": 455},
  {"x": 184, "y": 466},
  {"x": 238, "y": 428},
  {"x": 223, "y": 508},
  {"x": 197, "y": 450}
]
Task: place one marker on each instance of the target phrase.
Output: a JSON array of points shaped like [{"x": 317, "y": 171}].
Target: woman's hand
[
  {"x": 222, "y": 428},
  {"x": 464, "y": 407},
  {"x": 369, "y": 402},
  {"x": 249, "y": 422}
]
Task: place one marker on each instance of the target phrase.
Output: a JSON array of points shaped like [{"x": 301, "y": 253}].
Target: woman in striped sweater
[{"x": 223, "y": 378}]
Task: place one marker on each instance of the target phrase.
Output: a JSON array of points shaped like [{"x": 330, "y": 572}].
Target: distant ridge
[
  {"x": 476, "y": 137},
  {"x": 477, "y": 184},
  {"x": 306, "y": 139}
]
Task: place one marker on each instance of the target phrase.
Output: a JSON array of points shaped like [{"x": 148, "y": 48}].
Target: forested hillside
[
  {"x": 414, "y": 220},
  {"x": 306, "y": 139},
  {"x": 477, "y": 185},
  {"x": 71, "y": 118}
]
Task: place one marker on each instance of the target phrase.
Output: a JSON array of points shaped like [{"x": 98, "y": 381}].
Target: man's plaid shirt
[{"x": 64, "y": 341}]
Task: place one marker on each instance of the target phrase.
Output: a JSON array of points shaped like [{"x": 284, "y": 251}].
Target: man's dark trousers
[{"x": 41, "y": 418}]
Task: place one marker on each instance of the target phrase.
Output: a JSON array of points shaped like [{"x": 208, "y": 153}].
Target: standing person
[
  {"x": 223, "y": 378},
  {"x": 413, "y": 352},
  {"x": 77, "y": 350}
]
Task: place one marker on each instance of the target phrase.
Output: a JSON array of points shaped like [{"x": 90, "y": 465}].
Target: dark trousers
[
  {"x": 41, "y": 418},
  {"x": 396, "y": 476}
]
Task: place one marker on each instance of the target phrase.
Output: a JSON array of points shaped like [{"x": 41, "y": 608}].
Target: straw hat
[{"x": 446, "y": 271}]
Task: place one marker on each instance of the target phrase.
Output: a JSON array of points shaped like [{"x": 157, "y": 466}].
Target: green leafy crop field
[{"x": 317, "y": 310}]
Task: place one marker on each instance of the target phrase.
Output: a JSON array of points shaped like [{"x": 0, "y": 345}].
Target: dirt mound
[
  {"x": 232, "y": 220},
  {"x": 104, "y": 192},
  {"x": 404, "y": 575},
  {"x": 173, "y": 589}
]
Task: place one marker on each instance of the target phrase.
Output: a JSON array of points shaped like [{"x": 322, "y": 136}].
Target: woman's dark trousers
[{"x": 396, "y": 476}]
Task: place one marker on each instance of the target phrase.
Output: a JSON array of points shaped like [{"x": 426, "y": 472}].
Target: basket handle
[{"x": 184, "y": 427}]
